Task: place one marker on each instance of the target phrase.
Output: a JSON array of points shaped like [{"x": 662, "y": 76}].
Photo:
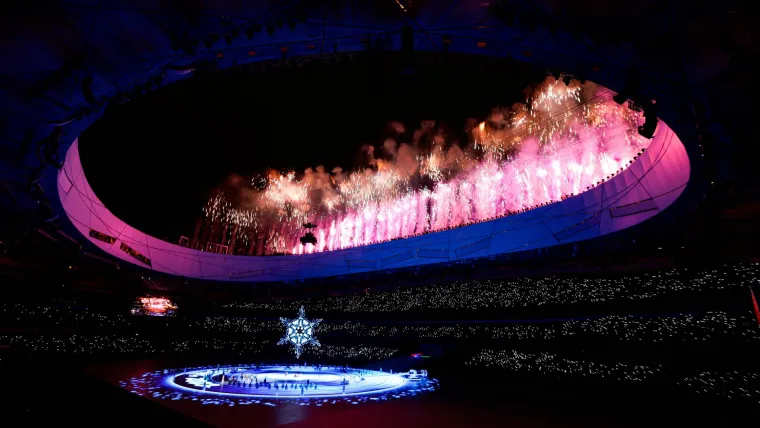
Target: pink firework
[{"x": 561, "y": 141}]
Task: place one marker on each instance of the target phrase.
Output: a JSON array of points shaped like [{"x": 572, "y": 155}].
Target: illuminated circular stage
[{"x": 268, "y": 384}]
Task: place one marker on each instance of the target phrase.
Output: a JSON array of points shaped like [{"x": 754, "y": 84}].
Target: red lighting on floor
[
  {"x": 481, "y": 44},
  {"x": 310, "y": 46},
  {"x": 251, "y": 53},
  {"x": 527, "y": 53},
  {"x": 284, "y": 49},
  {"x": 220, "y": 55}
]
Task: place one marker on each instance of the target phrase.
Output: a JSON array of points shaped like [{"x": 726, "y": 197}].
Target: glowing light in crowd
[
  {"x": 299, "y": 332},
  {"x": 563, "y": 140},
  {"x": 154, "y": 306}
]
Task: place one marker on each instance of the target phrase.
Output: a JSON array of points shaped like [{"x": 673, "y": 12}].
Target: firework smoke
[{"x": 563, "y": 139}]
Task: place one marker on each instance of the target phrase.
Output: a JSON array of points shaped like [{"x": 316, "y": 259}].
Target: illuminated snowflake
[{"x": 299, "y": 332}]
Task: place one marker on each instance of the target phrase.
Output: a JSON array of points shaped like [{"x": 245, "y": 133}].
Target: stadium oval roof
[{"x": 69, "y": 61}]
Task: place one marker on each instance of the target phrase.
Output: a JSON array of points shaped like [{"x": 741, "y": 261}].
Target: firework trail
[{"x": 563, "y": 139}]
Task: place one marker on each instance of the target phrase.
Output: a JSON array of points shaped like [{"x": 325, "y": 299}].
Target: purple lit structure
[{"x": 648, "y": 186}]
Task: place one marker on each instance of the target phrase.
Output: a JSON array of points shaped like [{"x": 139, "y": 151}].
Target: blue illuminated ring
[{"x": 389, "y": 382}]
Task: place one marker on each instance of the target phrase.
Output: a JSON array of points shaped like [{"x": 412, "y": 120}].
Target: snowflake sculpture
[{"x": 299, "y": 332}]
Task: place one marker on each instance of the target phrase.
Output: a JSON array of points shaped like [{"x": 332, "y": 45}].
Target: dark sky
[{"x": 155, "y": 160}]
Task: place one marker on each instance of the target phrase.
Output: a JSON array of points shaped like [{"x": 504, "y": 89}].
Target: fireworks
[{"x": 564, "y": 139}]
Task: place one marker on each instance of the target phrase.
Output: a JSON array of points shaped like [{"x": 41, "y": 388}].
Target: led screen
[{"x": 154, "y": 306}]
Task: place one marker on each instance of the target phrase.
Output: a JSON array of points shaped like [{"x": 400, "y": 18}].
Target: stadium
[
  {"x": 413, "y": 213},
  {"x": 651, "y": 181}
]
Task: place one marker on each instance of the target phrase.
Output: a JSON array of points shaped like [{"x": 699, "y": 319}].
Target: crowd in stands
[
  {"x": 551, "y": 364},
  {"x": 80, "y": 344},
  {"x": 353, "y": 352},
  {"x": 733, "y": 384},
  {"x": 725, "y": 384},
  {"x": 526, "y": 292},
  {"x": 61, "y": 313},
  {"x": 521, "y": 347},
  {"x": 678, "y": 328},
  {"x": 649, "y": 329},
  {"x": 684, "y": 327},
  {"x": 68, "y": 328},
  {"x": 110, "y": 344}
]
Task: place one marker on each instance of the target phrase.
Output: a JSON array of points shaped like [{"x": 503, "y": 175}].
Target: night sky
[{"x": 154, "y": 161}]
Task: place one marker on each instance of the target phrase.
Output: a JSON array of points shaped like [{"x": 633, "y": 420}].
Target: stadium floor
[{"x": 461, "y": 401}]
